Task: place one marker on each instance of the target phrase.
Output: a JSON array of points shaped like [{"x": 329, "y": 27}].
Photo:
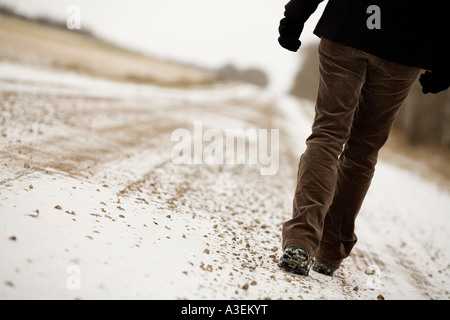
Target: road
[{"x": 93, "y": 204}]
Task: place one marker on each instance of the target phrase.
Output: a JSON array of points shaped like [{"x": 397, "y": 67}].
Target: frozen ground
[{"x": 93, "y": 207}]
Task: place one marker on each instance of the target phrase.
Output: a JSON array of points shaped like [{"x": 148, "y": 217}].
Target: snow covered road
[{"x": 92, "y": 205}]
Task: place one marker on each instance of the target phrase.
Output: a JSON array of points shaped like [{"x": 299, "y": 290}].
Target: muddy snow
[{"x": 93, "y": 206}]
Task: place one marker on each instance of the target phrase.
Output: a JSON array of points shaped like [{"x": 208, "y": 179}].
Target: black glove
[
  {"x": 433, "y": 82},
  {"x": 289, "y": 34}
]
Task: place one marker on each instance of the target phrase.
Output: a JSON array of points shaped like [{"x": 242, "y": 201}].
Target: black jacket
[{"x": 412, "y": 32}]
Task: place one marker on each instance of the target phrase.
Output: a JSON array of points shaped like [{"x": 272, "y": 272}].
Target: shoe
[
  {"x": 296, "y": 260},
  {"x": 323, "y": 269}
]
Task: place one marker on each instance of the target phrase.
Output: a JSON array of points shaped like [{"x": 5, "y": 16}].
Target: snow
[{"x": 92, "y": 207}]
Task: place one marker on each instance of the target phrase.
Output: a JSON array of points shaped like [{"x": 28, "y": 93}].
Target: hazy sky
[{"x": 205, "y": 32}]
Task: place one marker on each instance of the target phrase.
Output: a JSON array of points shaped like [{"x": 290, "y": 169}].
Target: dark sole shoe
[
  {"x": 296, "y": 260},
  {"x": 323, "y": 269}
]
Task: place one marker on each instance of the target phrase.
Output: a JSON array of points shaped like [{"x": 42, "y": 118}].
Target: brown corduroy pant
[{"x": 358, "y": 100}]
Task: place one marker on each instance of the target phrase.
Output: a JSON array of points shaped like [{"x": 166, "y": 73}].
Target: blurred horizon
[{"x": 205, "y": 33}]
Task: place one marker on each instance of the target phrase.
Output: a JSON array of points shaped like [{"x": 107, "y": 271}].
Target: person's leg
[
  {"x": 341, "y": 76},
  {"x": 386, "y": 87}
]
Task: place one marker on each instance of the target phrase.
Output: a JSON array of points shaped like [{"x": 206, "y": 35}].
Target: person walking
[{"x": 370, "y": 53}]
